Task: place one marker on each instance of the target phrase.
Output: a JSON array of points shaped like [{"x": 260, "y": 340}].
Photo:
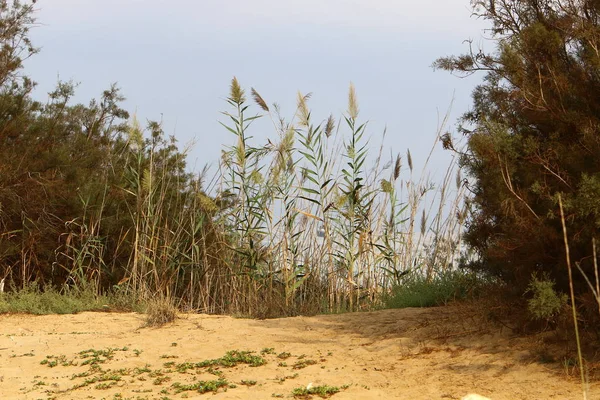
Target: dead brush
[{"x": 160, "y": 312}]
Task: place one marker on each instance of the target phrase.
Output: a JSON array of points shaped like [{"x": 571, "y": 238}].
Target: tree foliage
[
  {"x": 533, "y": 134},
  {"x": 75, "y": 179}
]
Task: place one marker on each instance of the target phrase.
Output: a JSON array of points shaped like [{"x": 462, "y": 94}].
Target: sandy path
[{"x": 440, "y": 353}]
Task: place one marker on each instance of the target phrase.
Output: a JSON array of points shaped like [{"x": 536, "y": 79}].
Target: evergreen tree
[{"x": 533, "y": 134}]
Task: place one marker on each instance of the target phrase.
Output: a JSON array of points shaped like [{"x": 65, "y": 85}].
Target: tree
[{"x": 533, "y": 134}]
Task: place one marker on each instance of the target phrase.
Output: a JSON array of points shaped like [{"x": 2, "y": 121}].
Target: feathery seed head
[
  {"x": 303, "y": 113},
  {"x": 352, "y": 103},
  {"x": 236, "y": 93},
  {"x": 330, "y": 126},
  {"x": 397, "y": 167},
  {"x": 259, "y": 100}
]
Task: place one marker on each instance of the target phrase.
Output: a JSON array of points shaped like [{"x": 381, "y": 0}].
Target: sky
[{"x": 174, "y": 60}]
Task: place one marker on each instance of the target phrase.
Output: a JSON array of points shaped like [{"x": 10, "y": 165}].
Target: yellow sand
[{"x": 436, "y": 353}]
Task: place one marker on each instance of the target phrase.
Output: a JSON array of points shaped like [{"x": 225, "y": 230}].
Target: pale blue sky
[{"x": 177, "y": 57}]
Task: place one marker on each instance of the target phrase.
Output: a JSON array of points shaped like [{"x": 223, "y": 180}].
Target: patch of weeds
[
  {"x": 284, "y": 378},
  {"x": 230, "y": 359},
  {"x": 323, "y": 391},
  {"x": 282, "y": 364},
  {"x": 142, "y": 391},
  {"x": 105, "y": 377},
  {"x": 214, "y": 371},
  {"x": 94, "y": 369},
  {"x": 105, "y": 385},
  {"x": 235, "y": 357},
  {"x": 247, "y": 382},
  {"x": 168, "y": 356},
  {"x": 22, "y": 355},
  {"x": 181, "y": 368},
  {"x": 267, "y": 350},
  {"x": 161, "y": 379},
  {"x": 53, "y": 361},
  {"x": 156, "y": 373},
  {"x": 284, "y": 355},
  {"x": 174, "y": 344},
  {"x": 201, "y": 386},
  {"x": 303, "y": 364},
  {"x": 93, "y": 356}
]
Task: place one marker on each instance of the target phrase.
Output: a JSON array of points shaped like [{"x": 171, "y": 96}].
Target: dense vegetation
[
  {"x": 534, "y": 135},
  {"x": 89, "y": 200}
]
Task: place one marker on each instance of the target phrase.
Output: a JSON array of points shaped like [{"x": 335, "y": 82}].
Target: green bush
[{"x": 545, "y": 302}]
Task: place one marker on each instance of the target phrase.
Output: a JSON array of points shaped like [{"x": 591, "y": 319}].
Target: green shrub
[
  {"x": 35, "y": 299},
  {"x": 545, "y": 302},
  {"x": 418, "y": 291}
]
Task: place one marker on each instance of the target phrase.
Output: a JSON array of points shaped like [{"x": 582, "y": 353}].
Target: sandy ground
[{"x": 437, "y": 353}]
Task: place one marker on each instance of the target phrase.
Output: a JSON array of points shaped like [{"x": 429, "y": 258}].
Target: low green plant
[
  {"x": 323, "y": 391},
  {"x": 201, "y": 386},
  {"x": 230, "y": 359},
  {"x": 303, "y": 364}
]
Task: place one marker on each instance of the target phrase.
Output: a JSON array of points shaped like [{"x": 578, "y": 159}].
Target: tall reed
[{"x": 311, "y": 221}]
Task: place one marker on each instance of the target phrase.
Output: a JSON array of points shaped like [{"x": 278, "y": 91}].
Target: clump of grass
[
  {"x": 160, "y": 312},
  {"x": 323, "y": 391}
]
